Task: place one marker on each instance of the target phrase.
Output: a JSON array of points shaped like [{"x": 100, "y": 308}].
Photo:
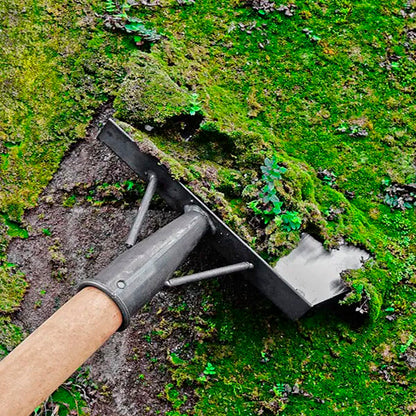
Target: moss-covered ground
[{"x": 324, "y": 89}]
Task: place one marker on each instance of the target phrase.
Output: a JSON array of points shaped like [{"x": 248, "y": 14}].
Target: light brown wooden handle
[{"x": 44, "y": 360}]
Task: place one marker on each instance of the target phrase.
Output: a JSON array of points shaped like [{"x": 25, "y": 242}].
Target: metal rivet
[{"x": 121, "y": 284}]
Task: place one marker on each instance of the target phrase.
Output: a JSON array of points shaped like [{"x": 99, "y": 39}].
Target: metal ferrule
[{"x": 135, "y": 276}]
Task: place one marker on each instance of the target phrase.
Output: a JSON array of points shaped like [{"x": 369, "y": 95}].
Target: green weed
[
  {"x": 403, "y": 348},
  {"x": 291, "y": 221},
  {"x": 269, "y": 206},
  {"x": 195, "y": 105},
  {"x": 47, "y": 232},
  {"x": 209, "y": 370}
]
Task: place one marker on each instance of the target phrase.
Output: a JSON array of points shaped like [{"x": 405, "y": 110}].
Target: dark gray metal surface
[
  {"x": 208, "y": 274},
  {"x": 225, "y": 241},
  {"x": 134, "y": 277}
]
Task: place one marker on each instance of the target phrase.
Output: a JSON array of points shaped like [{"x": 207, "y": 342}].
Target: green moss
[
  {"x": 54, "y": 80},
  {"x": 12, "y": 288},
  {"x": 266, "y": 89},
  {"x": 172, "y": 164},
  {"x": 14, "y": 229},
  {"x": 148, "y": 95},
  {"x": 10, "y": 336},
  {"x": 289, "y": 98}
]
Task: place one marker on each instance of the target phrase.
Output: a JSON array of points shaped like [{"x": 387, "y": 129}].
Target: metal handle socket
[{"x": 135, "y": 276}]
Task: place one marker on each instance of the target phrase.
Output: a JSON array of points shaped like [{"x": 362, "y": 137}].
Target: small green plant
[
  {"x": 310, "y": 35},
  {"x": 209, "y": 370},
  {"x": 195, "y": 105},
  {"x": 399, "y": 196},
  {"x": 403, "y": 348},
  {"x": 291, "y": 221},
  {"x": 70, "y": 201},
  {"x": 278, "y": 389},
  {"x": 272, "y": 170},
  {"x": 269, "y": 206},
  {"x": 202, "y": 379},
  {"x": 140, "y": 31},
  {"x": 47, "y": 232},
  {"x": 178, "y": 308},
  {"x": 119, "y": 19},
  {"x": 110, "y": 6},
  {"x": 68, "y": 399},
  {"x": 328, "y": 177},
  {"x": 129, "y": 185},
  {"x": 352, "y": 130},
  {"x": 264, "y": 357},
  {"x": 90, "y": 253}
]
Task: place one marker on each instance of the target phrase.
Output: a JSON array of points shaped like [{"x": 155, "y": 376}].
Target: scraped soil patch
[{"x": 67, "y": 244}]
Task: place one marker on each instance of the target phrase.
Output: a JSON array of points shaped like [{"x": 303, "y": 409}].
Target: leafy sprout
[
  {"x": 269, "y": 206},
  {"x": 110, "y": 6},
  {"x": 291, "y": 221},
  {"x": 195, "y": 105},
  {"x": 210, "y": 370}
]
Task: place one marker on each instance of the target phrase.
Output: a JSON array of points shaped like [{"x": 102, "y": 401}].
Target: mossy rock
[{"x": 148, "y": 95}]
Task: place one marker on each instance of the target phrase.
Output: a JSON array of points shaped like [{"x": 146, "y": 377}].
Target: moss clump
[
  {"x": 12, "y": 288},
  {"x": 10, "y": 336},
  {"x": 148, "y": 95}
]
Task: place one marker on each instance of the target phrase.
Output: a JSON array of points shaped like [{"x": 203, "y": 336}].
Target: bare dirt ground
[{"x": 69, "y": 244}]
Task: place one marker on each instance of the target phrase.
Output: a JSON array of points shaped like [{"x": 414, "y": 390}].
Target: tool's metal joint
[
  {"x": 106, "y": 288},
  {"x": 196, "y": 208}
]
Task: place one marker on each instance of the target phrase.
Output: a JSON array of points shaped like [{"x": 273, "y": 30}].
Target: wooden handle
[{"x": 44, "y": 360}]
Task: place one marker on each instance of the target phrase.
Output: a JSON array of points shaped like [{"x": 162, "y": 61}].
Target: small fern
[{"x": 110, "y": 6}]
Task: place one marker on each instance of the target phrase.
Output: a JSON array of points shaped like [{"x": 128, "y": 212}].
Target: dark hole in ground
[
  {"x": 186, "y": 125},
  {"x": 214, "y": 144}
]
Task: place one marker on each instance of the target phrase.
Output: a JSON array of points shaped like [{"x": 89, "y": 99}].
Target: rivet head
[{"x": 121, "y": 284}]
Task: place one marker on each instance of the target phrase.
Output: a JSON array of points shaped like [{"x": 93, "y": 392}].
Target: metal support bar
[
  {"x": 144, "y": 207},
  {"x": 220, "y": 271}
]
